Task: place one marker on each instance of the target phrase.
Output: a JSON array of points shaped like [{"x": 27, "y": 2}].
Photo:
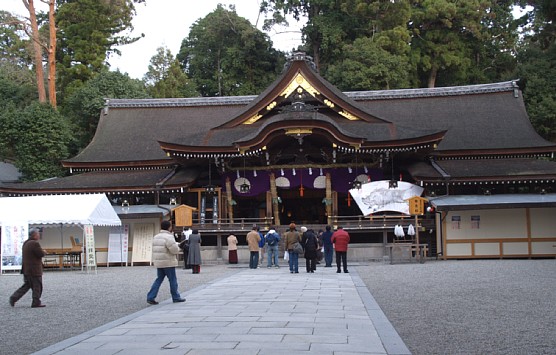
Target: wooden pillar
[
  {"x": 268, "y": 213},
  {"x": 274, "y": 195},
  {"x": 218, "y": 247},
  {"x": 230, "y": 199},
  {"x": 328, "y": 203}
]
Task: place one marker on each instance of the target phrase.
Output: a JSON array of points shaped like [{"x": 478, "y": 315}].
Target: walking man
[
  {"x": 165, "y": 250},
  {"x": 31, "y": 269},
  {"x": 340, "y": 238}
]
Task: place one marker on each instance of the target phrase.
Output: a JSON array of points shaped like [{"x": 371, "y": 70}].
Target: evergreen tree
[
  {"x": 39, "y": 136},
  {"x": 537, "y": 66},
  {"x": 83, "y": 107},
  {"x": 89, "y": 32},
  {"x": 226, "y": 55},
  {"x": 166, "y": 78}
]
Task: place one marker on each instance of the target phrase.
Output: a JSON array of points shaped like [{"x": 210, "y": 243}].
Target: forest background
[{"x": 55, "y": 76}]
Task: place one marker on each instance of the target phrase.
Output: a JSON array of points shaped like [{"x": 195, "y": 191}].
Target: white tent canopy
[{"x": 94, "y": 209}]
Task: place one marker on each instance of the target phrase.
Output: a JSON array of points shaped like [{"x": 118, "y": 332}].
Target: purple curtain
[{"x": 341, "y": 178}]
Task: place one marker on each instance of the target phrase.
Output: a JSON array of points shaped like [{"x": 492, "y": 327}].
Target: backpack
[{"x": 271, "y": 239}]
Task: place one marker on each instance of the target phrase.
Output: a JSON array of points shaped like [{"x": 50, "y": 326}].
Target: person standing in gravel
[
  {"x": 165, "y": 251},
  {"x": 340, "y": 238},
  {"x": 31, "y": 269}
]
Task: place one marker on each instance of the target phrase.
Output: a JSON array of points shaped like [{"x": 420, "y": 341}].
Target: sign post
[{"x": 416, "y": 208}]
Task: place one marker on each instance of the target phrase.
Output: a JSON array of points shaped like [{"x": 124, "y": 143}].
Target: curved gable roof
[{"x": 300, "y": 75}]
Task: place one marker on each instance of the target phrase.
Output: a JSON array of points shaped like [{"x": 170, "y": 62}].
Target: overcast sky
[{"x": 167, "y": 22}]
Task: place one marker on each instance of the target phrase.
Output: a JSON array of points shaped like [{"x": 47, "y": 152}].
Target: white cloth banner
[
  {"x": 118, "y": 244},
  {"x": 377, "y": 196}
]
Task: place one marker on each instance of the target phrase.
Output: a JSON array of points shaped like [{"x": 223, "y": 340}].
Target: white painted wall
[{"x": 497, "y": 228}]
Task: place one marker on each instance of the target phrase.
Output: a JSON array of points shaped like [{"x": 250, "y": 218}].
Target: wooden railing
[
  {"x": 347, "y": 222},
  {"x": 238, "y": 224}
]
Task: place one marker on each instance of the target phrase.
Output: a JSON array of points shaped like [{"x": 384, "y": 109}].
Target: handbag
[
  {"x": 297, "y": 248},
  {"x": 320, "y": 254},
  {"x": 184, "y": 245}
]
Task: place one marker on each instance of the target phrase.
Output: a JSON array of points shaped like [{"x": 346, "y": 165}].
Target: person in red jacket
[{"x": 340, "y": 238}]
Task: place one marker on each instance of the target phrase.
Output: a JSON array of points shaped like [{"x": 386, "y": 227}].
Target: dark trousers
[
  {"x": 341, "y": 260},
  {"x": 33, "y": 283},
  {"x": 328, "y": 252},
  {"x": 253, "y": 259},
  {"x": 311, "y": 264}
]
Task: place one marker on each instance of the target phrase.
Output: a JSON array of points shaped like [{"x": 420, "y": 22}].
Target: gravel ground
[
  {"x": 469, "y": 306},
  {"x": 440, "y": 307}
]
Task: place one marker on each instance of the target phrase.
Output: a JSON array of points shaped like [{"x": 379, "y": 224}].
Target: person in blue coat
[
  {"x": 328, "y": 246},
  {"x": 272, "y": 240},
  {"x": 262, "y": 244}
]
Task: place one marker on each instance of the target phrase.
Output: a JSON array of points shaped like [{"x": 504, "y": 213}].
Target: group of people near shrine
[{"x": 314, "y": 247}]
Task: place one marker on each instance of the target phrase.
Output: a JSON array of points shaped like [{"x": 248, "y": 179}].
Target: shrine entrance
[{"x": 308, "y": 209}]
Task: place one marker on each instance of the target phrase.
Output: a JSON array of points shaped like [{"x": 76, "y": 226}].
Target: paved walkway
[{"x": 263, "y": 311}]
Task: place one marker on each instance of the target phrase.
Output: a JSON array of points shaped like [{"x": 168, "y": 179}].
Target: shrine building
[{"x": 294, "y": 152}]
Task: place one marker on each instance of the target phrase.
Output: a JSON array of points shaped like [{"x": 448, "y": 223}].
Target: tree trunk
[
  {"x": 37, "y": 49},
  {"x": 432, "y": 77},
  {"x": 52, "y": 56}
]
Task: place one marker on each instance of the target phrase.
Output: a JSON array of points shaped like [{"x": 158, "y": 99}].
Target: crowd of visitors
[{"x": 313, "y": 246}]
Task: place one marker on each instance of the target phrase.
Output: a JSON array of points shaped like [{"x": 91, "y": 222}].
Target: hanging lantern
[{"x": 244, "y": 188}]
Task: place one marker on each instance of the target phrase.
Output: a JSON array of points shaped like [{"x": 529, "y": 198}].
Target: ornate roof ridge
[
  {"x": 187, "y": 101},
  {"x": 431, "y": 92},
  {"x": 355, "y": 95}
]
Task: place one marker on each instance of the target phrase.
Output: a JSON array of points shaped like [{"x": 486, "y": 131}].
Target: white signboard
[
  {"x": 143, "y": 234},
  {"x": 14, "y": 234},
  {"x": 377, "y": 196},
  {"x": 118, "y": 243},
  {"x": 89, "y": 237}
]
